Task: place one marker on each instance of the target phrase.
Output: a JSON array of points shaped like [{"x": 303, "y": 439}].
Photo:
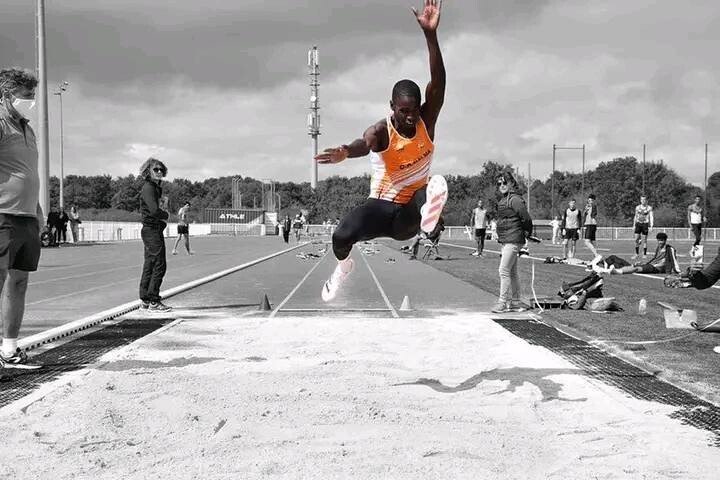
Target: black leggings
[
  {"x": 378, "y": 218},
  {"x": 708, "y": 276},
  {"x": 697, "y": 231}
]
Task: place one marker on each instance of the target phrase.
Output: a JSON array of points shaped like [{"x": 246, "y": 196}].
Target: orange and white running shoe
[
  {"x": 338, "y": 277},
  {"x": 436, "y": 195}
]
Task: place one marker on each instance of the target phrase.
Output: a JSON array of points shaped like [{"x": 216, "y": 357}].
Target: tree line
[{"x": 617, "y": 184}]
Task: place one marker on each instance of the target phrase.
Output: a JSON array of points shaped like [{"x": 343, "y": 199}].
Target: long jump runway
[{"x": 356, "y": 388}]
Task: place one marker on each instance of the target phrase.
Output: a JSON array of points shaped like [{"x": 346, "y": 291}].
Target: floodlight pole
[
  {"x": 552, "y": 187},
  {"x": 61, "y": 88},
  {"x": 643, "y": 171},
  {"x": 42, "y": 103},
  {"x": 314, "y": 116},
  {"x": 705, "y": 192},
  {"x": 529, "y": 184}
]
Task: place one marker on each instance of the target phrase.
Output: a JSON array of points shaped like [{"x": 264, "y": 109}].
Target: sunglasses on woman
[
  {"x": 501, "y": 183},
  {"x": 159, "y": 170}
]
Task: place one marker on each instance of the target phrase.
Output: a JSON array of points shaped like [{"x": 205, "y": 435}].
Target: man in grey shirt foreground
[{"x": 20, "y": 212}]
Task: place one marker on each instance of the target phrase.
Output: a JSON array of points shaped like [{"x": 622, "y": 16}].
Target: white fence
[
  {"x": 604, "y": 233},
  {"x": 95, "y": 231}
]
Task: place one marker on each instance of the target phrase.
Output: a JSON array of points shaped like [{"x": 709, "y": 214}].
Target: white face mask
[{"x": 24, "y": 107}]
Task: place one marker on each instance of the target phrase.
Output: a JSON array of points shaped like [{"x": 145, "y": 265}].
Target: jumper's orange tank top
[{"x": 403, "y": 168}]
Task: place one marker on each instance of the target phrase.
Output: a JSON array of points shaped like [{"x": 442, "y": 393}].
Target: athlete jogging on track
[
  {"x": 402, "y": 146},
  {"x": 643, "y": 222}
]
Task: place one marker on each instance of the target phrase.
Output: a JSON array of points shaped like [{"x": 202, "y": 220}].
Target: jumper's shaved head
[{"x": 406, "y": 88}]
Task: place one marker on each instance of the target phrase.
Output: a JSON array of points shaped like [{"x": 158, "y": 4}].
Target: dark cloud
[{"x": 249, "y": 45}]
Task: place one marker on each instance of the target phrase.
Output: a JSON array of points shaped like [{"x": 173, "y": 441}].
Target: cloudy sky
[{"x": 220, "y": 87}]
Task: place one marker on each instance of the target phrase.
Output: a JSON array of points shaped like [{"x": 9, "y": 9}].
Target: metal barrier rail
[{"x": 603, "y": 233}]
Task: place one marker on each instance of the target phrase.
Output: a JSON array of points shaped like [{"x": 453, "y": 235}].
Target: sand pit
[{"x": 218, "y": 397}]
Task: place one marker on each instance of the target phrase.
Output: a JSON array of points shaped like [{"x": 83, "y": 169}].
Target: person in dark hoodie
[
  {"x": 154, "y": 220},
  {"x": 514, "y": 226}
]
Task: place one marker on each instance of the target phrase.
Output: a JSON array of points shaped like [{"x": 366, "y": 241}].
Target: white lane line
[
  {"x": 100, "y": 287},
  {"x": 49, "y": 280},
  {"x": 51, "y": 268},
  {"x": 72, "y": 294},
  {"x": 297, "y": 287},
  {"x": 542, "y": 259},
  {"x": 336, "y": 310},
  {"x": 382, "y": 292},
  {"x": 63, "y": 330}
]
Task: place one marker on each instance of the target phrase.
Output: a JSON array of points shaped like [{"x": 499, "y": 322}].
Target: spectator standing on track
[
  {"x": 403, "y": 197},
  {"x": 479, "y": 221},
  {"x": 514, "y": 225},
  {"x": 643, "y": 223},
  {"x": 287, "y": 223},
  {"x": 555, "y": 224},
  {"x": 53, "y": 223},
  {"x": 74, "y": 222},
  {"x": 183, "y": 229},
  {"x": 20, "y": 212},
  {"x": 571, "y": 225},
  {"x": 154, "y": 220},
  {"x": 589, "y": 223},
  {"x": 62, "y": 226},
  {"x": 696, "y": 219}
]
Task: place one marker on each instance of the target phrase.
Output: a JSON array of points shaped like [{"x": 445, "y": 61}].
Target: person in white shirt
[
  {"x": 183, "y": 229},
  {"x": 571, "y": 225},
  {"x": 695, "y": 219},
  {"x": 643, "y": 222},
  {"x": 555, "y": 224},
  {"x": 479, "y": 221}
]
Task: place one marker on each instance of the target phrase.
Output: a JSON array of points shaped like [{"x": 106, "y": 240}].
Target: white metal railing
[
  {"x": 605, "y": 233},
  {"x": 97, "y": 231}
]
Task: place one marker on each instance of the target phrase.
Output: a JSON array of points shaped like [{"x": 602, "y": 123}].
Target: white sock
[
  {"x": 345, "y": 265},
  {"x": 9, "y": 345}
]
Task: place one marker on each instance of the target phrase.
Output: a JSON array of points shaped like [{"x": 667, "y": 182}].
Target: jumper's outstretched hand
[
  {"x": 429, "y": 18},
  {"x": 332, "y": 155}
]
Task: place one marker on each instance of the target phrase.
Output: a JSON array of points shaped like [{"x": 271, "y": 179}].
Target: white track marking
[
  {"x": 382, "y": 292},
  {"x": 81, "y": 324},
  {"x": 297, "y": 287},
  {"x": 49, "y": 280}
]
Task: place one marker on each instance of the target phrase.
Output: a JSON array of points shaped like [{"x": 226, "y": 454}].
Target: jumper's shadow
[{"x": 516, "y": 377}]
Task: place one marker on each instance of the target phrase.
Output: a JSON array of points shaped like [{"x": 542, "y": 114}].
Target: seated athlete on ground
[
  {"x": 402, "y": 146},
  {"x": 664, "y": 261}
]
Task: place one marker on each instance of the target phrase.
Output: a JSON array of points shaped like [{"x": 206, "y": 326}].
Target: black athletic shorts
[
  {"x": 183, "y": 229},
  {"x": 642, "y": 228},
  {"x": 648, "y": 268},
  {"x": 19, "y": 242},
  {"x": 480, "y": 232},
  {"x": 590, "y": 232},
  {"x": 571, "y": 234}
]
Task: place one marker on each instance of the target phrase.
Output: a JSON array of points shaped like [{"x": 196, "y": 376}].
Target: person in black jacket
[
  {"x": 514, "y": 225},
  {"x": 154, "y": 220}
]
